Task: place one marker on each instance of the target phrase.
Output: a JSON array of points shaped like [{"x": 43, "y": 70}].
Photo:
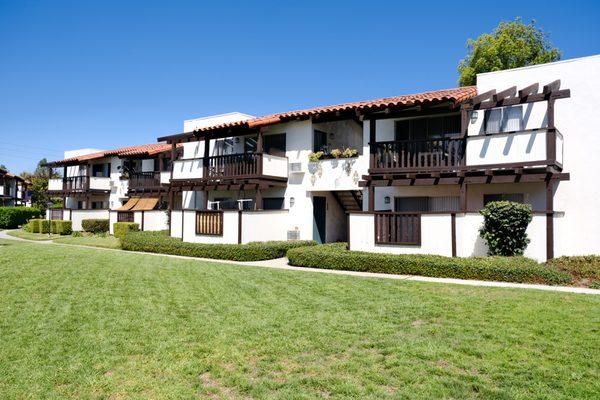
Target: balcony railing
[
  {"x": 397, "y": 228},
  {"x": 419, "y": 155},
  {"x": 142, "y": 180},
  {"x": 79, "y": 184},
  {"x": 232, "y": 166},
  {"x": 76, "y": 183}
]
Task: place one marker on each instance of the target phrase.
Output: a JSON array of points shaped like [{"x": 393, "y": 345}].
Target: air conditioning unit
[
  {"x": 295, "y": 167},
  {"x": 293, "y": 235}
]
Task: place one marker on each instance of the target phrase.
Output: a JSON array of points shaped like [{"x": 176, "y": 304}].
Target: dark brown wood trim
[
  {"x": 348, "y": 231},
  {"x": 182, "y": 220},
  {"x": 239, "y": 239},
  {"x": 453, "y": 233},
  {"x": 550, "y": 220}
]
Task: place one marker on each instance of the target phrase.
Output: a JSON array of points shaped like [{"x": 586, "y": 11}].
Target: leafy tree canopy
[{"x": 511, "y": 45}]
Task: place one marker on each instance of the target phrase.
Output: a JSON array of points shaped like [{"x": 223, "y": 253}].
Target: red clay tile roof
[
  {"x": 130, "y": 151},
  {"x": 456, "y": 95}
]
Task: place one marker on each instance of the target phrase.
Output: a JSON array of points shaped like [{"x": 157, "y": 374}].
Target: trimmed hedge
[
  {"x": 95, "y": 225},
  {"x": 62, "y": 227},
  {"x": 161, "y": 242},
  {"x": 120, "y": 229},
  {"x": 496, "y": 268},
  {"x": 584, "y": 269},
  {"x": 37, "y": 225},
  {"x": 13, "y": 217}
]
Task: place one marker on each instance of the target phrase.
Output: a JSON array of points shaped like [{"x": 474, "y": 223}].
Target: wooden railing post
[
  {"x": 206, "y": 159},
  {"x": 372, "y": 143}
]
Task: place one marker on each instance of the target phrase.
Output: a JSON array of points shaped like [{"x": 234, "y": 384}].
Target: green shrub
[
  {"x": 77, "y": 234},
  {"x": 496, "y": 268},
  {"x": 95, "y": 225},
  {"x": 584, "y": 269},
  {"x": 159, "y": 242},
  {"x": 505, "y": 227},
  {"x": 35, "y": 225},
  {"x": 120, "y": 229},
  {"x": 62, "y": 227},
  {"x": 44, "y": 226},
  {"x": 13, "y": 217}
]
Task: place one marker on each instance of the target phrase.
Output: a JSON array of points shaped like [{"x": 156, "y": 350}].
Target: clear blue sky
[{"x": 106, "y": 74}]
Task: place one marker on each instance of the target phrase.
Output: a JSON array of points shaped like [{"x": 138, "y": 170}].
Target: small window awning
[
  {"x": 145, "y": 204},
  {"x": 129, "y": 205}
]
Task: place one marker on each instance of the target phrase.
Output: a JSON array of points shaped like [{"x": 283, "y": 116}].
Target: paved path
[{"x": 282, "y": 263}]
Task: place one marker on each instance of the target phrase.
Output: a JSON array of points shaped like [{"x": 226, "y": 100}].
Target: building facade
[
  {"x": 13, "y": 190},
  {"x": 405, "y": 174}
]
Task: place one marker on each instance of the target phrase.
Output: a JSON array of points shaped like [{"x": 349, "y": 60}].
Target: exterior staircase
[{"x": 349, "y": 200}]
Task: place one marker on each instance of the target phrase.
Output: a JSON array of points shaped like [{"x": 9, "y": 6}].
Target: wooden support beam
[
  {"x": 550, "y": 220},
  {"x": 483, "y": 96},
  {"x": 529, "y": 90},
  {"x": 551, "y": 87},
  {"x": 510, "y": 92},
  {"x": 371, "y": 198}
]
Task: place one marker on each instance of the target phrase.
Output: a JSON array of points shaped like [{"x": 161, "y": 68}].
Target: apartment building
[
  {"x": 125, "y": 184},
  {"x": 13, "y": 189},
  {"x": 404, "y": 174}
]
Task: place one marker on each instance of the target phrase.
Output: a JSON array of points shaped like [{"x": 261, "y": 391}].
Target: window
[
  {"x": 503, "y": 119},
  {"x": 319, "y": 141},
  {"x": 275, "y": 144},
  {"x": 99, "y": 205},
  {"x": 250, "y": 144},
  {"x": 429, "y": 128},
  {"x": 516, "y": 197},
  {"x": 101, "y": 170},
  {"x": 273, "y": 203},
  {"x": 426, "y": 204}
]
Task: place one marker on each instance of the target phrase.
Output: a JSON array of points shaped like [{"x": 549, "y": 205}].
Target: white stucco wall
[
  {"x": 176, "y": 223},
  {"x": 79, "y": 215},
  {"x": 230, "y": 229},
  {"x": 155, "y": 220},
  {"x": 501, "y": 148},
  {"x": 262, "y": 226},
  {"x": 577, "y": 230},
  {"x": 436, "y": 236}
]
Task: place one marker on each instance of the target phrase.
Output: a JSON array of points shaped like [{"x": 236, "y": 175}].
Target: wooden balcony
[
  {"x": 418, "y": 155},
  {"x": 145, "y": 180},
  {"x": 232, "y": 167},
  {"x": 80, "y": 184}
]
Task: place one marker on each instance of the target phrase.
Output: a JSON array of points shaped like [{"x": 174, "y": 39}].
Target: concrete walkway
[{"x": 282, "y": 263}]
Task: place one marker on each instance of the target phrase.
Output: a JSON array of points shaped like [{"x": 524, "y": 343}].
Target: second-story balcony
[
  {"x": 148, "y": 180},
  {"x": 79, "y": 184},
  {"x": 407, "y": 156},
  {"x": 232, "y": 166}
]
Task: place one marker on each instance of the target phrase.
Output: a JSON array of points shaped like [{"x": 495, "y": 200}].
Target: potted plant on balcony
[
  {"x": 336, "y": 153},
  {"x": 349, "y": 152},
  {"x": 316, "y": 156}
]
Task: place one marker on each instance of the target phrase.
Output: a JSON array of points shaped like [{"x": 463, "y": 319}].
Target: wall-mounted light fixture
[
  {"x": 292, "y": 201},
  {"x": 237, "y": 139},
  {"x": 474, "y": 115},
  {"x": 386, "y": 199}
]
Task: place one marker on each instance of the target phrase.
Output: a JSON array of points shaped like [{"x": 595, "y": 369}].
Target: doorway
[{"x": 319, "y": 218}]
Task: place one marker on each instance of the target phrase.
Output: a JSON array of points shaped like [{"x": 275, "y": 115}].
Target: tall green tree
[
  {"x": 39, "y": 185},
  {"x": 511, "y": 45}
]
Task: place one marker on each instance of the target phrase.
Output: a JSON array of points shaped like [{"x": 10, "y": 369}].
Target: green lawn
[
  {"x": 85, "y": 323},
  {"x": 110, "y": 242},
  {"x": 31, "y": 236}
]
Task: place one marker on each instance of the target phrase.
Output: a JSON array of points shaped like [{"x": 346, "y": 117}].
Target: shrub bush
[
  {"x": 120, "y": 229},
  {"x": 62, "y": 227},
  {"x": 35, "y": 225},
  {"x": 495, "y": 268},
  {"x": 160, "y": 242},
  {"x": 95, "y": 225},
  {"x": 13, "y": 217},
  {"x": 584, "y": 269},
  {"x": 505, "y": 227}
]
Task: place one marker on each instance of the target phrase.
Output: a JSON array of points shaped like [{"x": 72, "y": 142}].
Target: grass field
[
  {"x": 85, "y": 323},
  {"x": 110, "y": 242}
]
